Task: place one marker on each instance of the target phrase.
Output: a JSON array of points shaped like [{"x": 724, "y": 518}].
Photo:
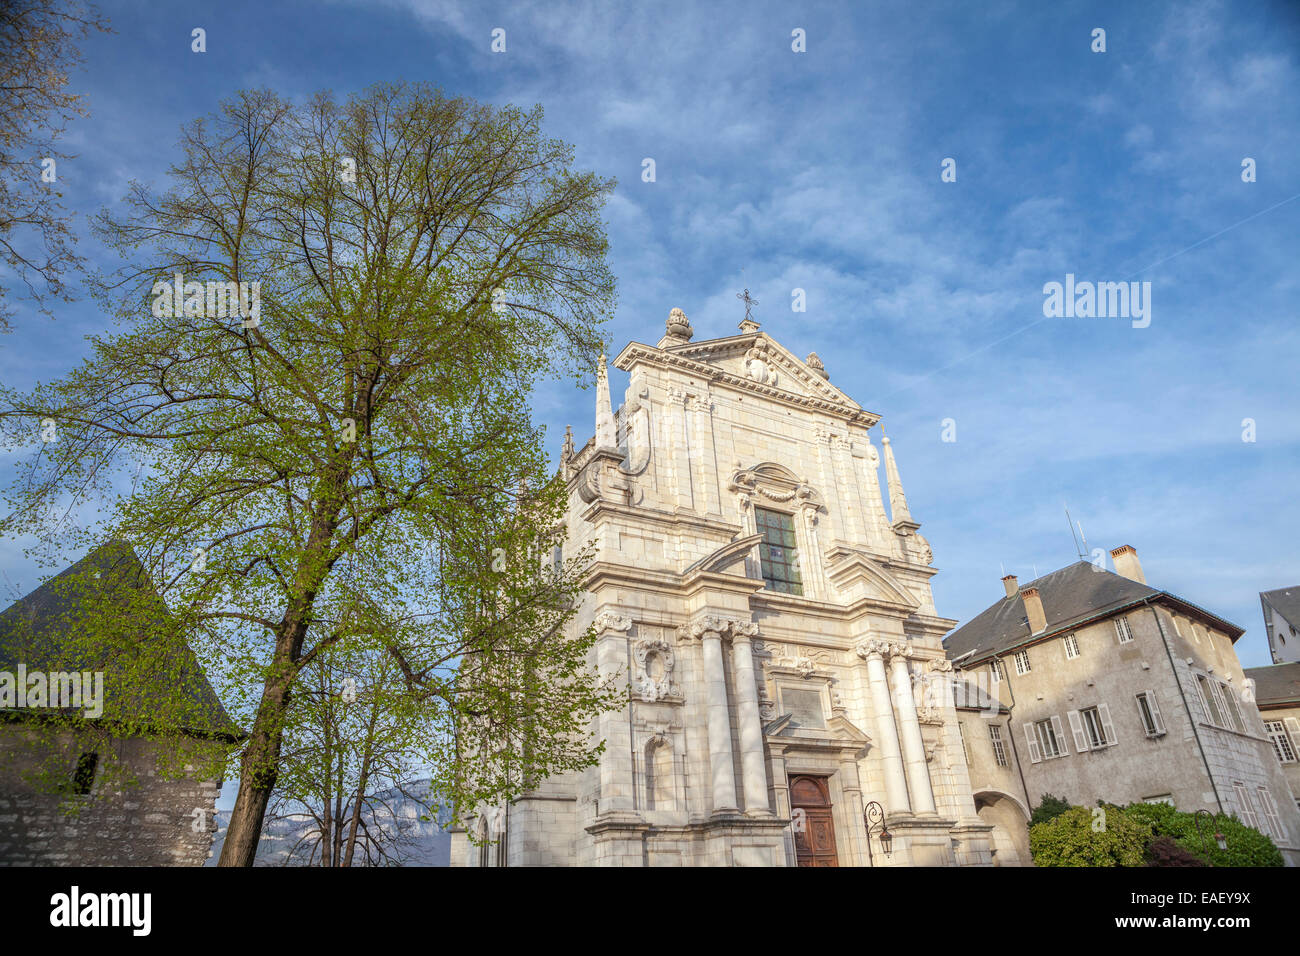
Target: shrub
[
  {"x": 1163, "y": 851},
  {"x": 1072, "y": 839},
  {"x": 1246, "y": 845},
  {"x": 1048, "y": 809}
]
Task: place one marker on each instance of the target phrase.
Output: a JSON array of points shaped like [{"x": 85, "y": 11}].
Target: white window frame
[
  {"x": 1048, "y": 731},
  {"x": 1022, "y": 663},
  {"x": 1095, "y": 732},
  {"x": 1123, "y": 630},
  {"x": 1282, "y": 745},
  {"x": 1071, "y": 646},
  {"x": 1149, "y": 713},
  {"x": 999, "y": 748}
]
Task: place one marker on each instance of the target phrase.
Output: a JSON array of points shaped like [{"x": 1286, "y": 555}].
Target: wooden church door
[{"x": 814, "y": 830}]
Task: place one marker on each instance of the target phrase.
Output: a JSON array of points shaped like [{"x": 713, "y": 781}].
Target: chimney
[
  {"x": 1009, "y": 582},
  {"x": 1034, "y": 610},
  {"x": 1127, "y": 563}
]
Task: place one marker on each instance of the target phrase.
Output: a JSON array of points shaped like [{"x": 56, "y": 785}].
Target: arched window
[{"x": 660, "y": 787}]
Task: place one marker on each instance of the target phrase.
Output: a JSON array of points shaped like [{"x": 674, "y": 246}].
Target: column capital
[
  {"x": 733, "y": 628},
  {"x": 877, "y": 648},
  {"x": 612, "y": 621}
]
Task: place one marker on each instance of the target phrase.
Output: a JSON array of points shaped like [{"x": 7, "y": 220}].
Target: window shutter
[
  {"x": 1205, "y": 701},
  {"x": 1035, "y": 755},
  {"x": 1293, "y": 728},
  {"x": 1076, "y": 725},
  {"x": 1247, "y": 808},
  {"x": 1155, "y": 712},
  {"x": 1104, "y": 710},
  {"x": 1060, "y": 735}
]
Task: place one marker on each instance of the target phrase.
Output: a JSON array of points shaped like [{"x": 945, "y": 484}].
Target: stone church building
[{"x": 773, "y": 623}]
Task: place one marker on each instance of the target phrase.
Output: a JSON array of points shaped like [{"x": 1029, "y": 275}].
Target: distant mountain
[{"x": 429, "y": 843}]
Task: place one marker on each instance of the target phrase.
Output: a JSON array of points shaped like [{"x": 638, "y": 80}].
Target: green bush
[
  {"x": 1246, "y": 845},
  {"x": 1073, "y": 839},
  {"x": 1048, "y": 809}
]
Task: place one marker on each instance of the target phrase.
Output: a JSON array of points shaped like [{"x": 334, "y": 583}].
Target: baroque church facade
[{"x": 774, "y": 627}]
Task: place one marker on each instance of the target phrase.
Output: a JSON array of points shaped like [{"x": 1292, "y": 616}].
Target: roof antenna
[
  {"x": 1083, "y": 536},
  {"x": 1070, "y": 522}
]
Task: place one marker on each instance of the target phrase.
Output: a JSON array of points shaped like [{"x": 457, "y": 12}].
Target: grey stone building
[
  {"x": 1119, "y": 691},
  {"x": 1277, "y": 695},
  {"x": 107, "y": 745}
]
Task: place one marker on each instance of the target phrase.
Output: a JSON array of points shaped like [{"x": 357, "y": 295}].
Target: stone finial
[
  {"x": 678, "y": 327},
  {"x": 898, "y": 511},
  {"x": 814, "y": 362},
  {"x": 605, "y": 432}
]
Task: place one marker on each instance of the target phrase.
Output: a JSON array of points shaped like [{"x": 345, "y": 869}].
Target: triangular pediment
[
  {"x": 753, "y": 362},
  {"x": 735, "y": 355},
  {"x": 855, "y": 569}
]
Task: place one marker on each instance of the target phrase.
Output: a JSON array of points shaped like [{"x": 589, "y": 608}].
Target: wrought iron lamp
[
  {"x": 874, "y": 815},
  {"x": 1219, "y": 838}
]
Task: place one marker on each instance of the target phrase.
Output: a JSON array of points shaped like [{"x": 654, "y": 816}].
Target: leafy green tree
[
  {"x": 1048, "y": 809},
  {"x": 38, "y": 52},
  {"x": 340, "y": 456}
]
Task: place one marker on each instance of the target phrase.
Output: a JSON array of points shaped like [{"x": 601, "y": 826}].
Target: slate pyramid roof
[{"x": 103, "y": 614}]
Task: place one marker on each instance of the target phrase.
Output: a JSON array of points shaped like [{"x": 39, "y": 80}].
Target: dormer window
[{"x": 780, "y": 561}]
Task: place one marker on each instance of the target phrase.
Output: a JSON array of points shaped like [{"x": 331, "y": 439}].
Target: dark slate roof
[
  {"x": 1286, "y": 601},
  {"x": 1070, "y": 596},
  {"x": 1277, "y": 683},
  {"x": 152, "y": 682}
]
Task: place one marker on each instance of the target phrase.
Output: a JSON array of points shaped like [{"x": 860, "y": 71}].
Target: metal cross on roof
[{"x": 749, "y": 303}]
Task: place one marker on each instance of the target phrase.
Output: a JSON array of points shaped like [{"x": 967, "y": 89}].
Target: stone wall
[{"x": 151, "y": 824}]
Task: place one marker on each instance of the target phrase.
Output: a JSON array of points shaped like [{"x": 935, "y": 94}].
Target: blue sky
[{"x": 821, "y": 171}]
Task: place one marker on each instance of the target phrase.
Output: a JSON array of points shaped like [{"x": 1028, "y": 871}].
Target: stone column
[
  {"x": 752, "y": 761},
  {"x": 918, "y": 770},
  {"x": 616, "y": 779},
  {"x": 873, "y": 652},
  {"x": 721, "y": 768}
]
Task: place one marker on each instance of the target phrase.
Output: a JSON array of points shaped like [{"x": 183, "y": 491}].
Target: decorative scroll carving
[{"x": 655, "y": 678}]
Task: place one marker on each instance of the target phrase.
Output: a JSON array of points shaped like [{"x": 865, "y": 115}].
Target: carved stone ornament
[
  {"x": 941, "y": 665},
  {"x": 874, "y": 647},
  {"x": 758, "y": 364},
  {"x": 654, "y": 678},
  {"x": 815, "y": 363},
  {"x": 678, "y": 327},
  {"x": 612, "y": 621},
  {"x": 722, "y": 626}
]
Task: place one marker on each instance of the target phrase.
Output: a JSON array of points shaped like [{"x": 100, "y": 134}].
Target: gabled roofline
[
  {"x": 978, "y": 656},
  {"x": 847, "y": 410}
]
